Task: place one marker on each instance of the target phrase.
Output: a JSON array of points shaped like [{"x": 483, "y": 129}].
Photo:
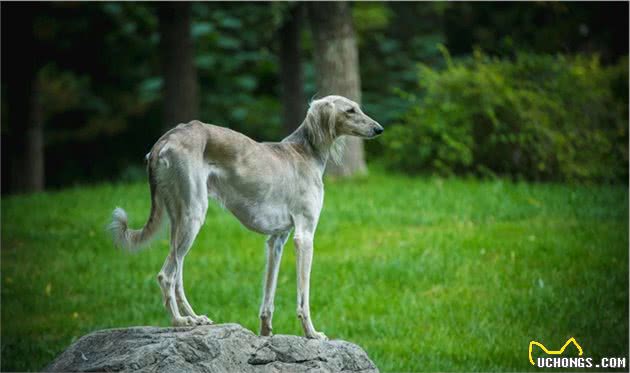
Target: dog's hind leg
[
  {"x": 182, "y": 301},
  {"x": 167, "y": 278},
  {"x": 186, "y": 200},
  {"x": 188, "y": 229},
  {"x": 275, "y": 244},
  {"x": 183, "y": 232},
  {"x": 182, "y": 237},
  {"x": 190, "y": 222},
  {"x": 182, "y": 250}
]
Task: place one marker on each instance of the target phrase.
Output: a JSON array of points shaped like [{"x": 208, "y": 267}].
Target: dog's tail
[{"x": 134, "y": 239}]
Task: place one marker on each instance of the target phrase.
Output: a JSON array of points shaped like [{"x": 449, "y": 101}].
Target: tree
[
  {"x": 25, "y": 126},
  {"x": 337, "y": 66},
  {"x": 178, "y": 68},
  {"x": 291, "y": 78}
]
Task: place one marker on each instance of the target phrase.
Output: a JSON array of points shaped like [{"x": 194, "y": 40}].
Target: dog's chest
[
  {"x": 261, "y": 212},
  {"x": 264, "y": 218}
]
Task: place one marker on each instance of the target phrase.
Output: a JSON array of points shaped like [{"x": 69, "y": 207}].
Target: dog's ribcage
[{"x": 258, "y": 203}]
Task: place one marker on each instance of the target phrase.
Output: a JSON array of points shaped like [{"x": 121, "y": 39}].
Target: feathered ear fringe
[
  {"x": 320, "y": 122},
  {"x": 337, "y": 149}
]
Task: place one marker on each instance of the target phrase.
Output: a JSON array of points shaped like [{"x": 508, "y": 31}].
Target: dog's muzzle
[{"x": 377, "y": 131}]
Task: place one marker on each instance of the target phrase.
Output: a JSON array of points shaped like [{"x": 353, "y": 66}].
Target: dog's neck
[{"x": 312, "y": 146}]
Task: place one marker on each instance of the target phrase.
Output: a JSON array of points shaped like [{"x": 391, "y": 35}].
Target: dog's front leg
[
  {"x": 275, "y": 244},
  {"x": 303, "y": 240}
]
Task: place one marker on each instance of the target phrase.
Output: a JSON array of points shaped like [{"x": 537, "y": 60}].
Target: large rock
[{"x": 212, "y": 348}]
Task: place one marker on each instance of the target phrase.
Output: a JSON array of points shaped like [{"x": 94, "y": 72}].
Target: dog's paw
[
  {"x": 184, "y": 321},
  {"x": 203, "y": 320},
  {"x": 317, "y": 335},
  {"x": 266, "y": 331}
]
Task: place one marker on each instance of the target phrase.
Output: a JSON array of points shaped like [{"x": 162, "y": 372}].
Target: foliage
[
  {"x": 505, "y": 29},
  {"x": 102, "y": 85},
  {"x": 112, "y": 94},
  {"x": 390, "y": 41},
  {"x": 425, "y": 274},
  {"x": 237, "y": 66},
  {"x": 537, "y": 116}
]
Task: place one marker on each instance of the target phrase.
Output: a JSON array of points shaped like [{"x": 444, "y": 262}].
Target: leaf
[
  {"x": 201, "y": 29},
  {"x": 228, "y": 42},
  {"x": 247, "y": 82},
  {"x": 231, "y": 22}
]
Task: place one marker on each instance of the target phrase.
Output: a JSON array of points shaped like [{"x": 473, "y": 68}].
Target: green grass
[{"x": 425, "y": 274}]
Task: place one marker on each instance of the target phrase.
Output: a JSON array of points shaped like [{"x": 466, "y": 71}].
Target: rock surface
[{"x": 211, "y": 348}]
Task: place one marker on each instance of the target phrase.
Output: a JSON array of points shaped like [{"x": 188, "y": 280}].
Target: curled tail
[{"x": 133, "y": 239}]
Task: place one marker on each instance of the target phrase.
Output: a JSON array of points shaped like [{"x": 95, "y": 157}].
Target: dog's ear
[
  {"x": 338, "y": 142},
  {"x": 337, "y": 149},
  {"x": 321, "y": 121},
  {"x": 331, "y": 112}
]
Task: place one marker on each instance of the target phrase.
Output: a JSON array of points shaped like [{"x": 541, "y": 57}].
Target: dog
[{"x": 270, "y": 187}]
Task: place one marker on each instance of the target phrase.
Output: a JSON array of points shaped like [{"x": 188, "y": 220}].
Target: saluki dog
[{"x": 271, "y": 188}]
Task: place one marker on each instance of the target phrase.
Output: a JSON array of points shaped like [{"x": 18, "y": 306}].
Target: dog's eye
[{"x": 351, "y": 111}]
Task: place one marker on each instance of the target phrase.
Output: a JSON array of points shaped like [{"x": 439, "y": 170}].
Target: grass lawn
[{"x": 424, "y": 274}]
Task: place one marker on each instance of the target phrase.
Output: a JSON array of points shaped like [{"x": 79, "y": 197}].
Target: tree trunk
[
  {"x": 25, "y": 123},
  {"x": 337, "y": 66},
  {"x": 293, "y": 99},
  {"x": 178, "y": 66}
]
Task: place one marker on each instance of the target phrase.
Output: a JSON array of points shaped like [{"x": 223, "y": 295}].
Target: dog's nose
[{"x": 378, "y": 130}]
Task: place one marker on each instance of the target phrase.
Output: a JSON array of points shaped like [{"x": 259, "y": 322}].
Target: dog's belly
[
  {"x": 263, "y": 218},
  {"x": 260, "y": 212}
]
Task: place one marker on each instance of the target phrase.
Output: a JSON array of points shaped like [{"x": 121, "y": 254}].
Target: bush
[{"x": 538, "y": 117}]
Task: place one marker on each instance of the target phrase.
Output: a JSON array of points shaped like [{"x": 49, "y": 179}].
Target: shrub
[{"x": 539, "y": 117}]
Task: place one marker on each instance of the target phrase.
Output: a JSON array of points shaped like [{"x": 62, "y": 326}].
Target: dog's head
[{"x": 345, "y": 117}]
